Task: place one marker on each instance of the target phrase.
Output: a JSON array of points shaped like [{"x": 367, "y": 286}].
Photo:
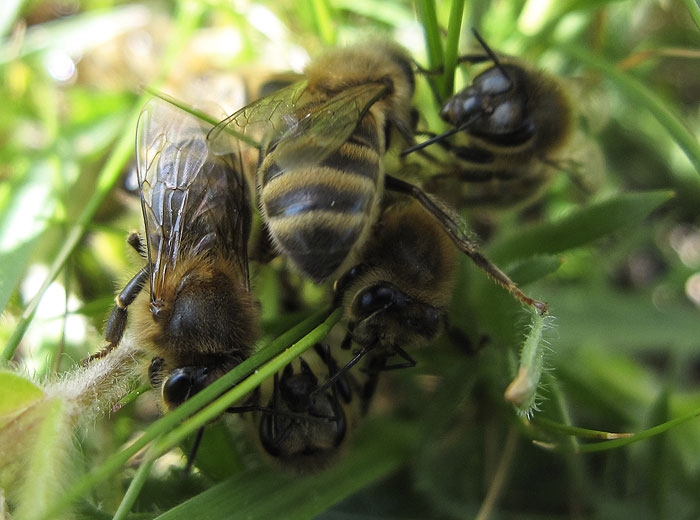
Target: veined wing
[
  {"x": 193, "y": 202},
  {"x": 299, "y": 126}
]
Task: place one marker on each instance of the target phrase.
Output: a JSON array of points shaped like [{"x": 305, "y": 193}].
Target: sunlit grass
[{"x": 617, "y": 269}]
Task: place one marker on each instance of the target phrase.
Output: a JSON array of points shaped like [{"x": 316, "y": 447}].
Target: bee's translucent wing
[
  {"x": 194, "y": 202},
  {"x": 251, "y": 124},
  {"x": 299, "y": 126}
]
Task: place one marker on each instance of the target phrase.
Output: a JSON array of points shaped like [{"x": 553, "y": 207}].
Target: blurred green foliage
[{"x": 620, "y": 269}]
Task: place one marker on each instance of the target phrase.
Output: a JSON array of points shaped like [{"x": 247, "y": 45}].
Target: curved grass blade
[
  {"x": 381, "y": 448},
  {"x": 580, "y": 227},
  {"x": 168, "y": 425},
  {"x": 643, "y": 98}
]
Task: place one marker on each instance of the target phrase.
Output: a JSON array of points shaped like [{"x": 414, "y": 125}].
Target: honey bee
[
  {"x": 198, "y": 317},
  {"x": 302, "y": 428},
  {"x": 397, "y": 297},
  {"x": 320, "y": 177},
  {"x": 320, "y": 174},
  {"x": 510, "y": 123}
]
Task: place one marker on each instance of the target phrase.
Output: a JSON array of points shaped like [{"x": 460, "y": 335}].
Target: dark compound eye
[
  {"x": 183, "y": 383},
  {"x": 378, "y": 297},
  {"x": 493, "y": 82}
]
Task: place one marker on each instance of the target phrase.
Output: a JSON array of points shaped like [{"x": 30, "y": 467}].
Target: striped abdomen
[{"x": 318, "y": 215}]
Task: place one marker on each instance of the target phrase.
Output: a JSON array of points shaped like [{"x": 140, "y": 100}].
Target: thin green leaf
[
  {"x": 640, "y": 436},
  {"x": 381, "y": 449},
  {"x": 534, "y": 268},
  {"x": 576, "y": 431},
  {"x": 109, "y": 175},
  {"x": 14, "y": 263},
  {"x": 324, "y": 21},
  {"x": 580, "y": 227},
  {"x": 433, "y": 40},
  {"x": 135, "y": 487},
  {"x": 454, "y": 33},
  {"x": 643, "y": 98},
  {"x": 167, "y": 423},
  {"x": 391, "y": 14},
  {"x": 694, "y": 10}
]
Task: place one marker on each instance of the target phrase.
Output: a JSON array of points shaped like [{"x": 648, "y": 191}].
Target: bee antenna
[
  {"x": 193, "y": 451},
  {"x": 436, "y": 138},
  {"x": 491, "y": 54},
  {"x": 430, "y": 141},
  {"x": 332, "y": 379}
]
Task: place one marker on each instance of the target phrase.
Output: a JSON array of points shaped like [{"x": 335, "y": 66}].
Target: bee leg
[
  {"x": 272, "y": 410},
  {"x": 134, "y": 240},
  {"x": 193, "y": 451},
  {"x": 333, "y": 379},
  {"x": 455, "y": 226},
  {"x": 342, "y": 386},
  {"x": 116, "y": 323},
  {"x": 269, "y": 435},
  {"x": 409, "y": 362},
  {"x": 324, "y": 352},
  {"x": 374, "y": 367}
]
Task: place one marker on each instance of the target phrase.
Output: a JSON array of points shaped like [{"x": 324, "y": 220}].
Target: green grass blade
[
  {"x": 580, "y": 227},
  {"x": 694, "y": 11},
  {"x": 109, "y": 176},
  {"x": 644, "y": 98},
  {"x": 427, "y": 15},
  {"x": 323, "y": 18},
  {"x": 639, "y": 436},
  {"x": 272, "y": 494},
  {"x": 174, "y": 418},
  {"x": 454, "y": 32},
  {"x": 111, "y": 172}
]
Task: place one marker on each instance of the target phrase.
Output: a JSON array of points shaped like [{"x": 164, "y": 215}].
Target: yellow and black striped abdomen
[{"x": 318, "y": 215}]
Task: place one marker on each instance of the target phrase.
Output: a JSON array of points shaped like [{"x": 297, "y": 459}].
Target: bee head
[
  {"x": 385, "y": 315},
  {"x": 494, "y": 106}
]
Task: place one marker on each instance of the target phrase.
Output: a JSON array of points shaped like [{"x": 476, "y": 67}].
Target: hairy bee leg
[
  {"x": 370, "y": 386},
  {"x": 368, "y": 391},
  {"x": 116, "y": 323},
  {"x": 134, "y": 240},
  {"x": 341, "y": 385},
  {"x": 454, "y": 226}
]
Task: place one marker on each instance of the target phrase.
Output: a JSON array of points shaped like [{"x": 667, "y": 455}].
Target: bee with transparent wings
[
  {"x": 320, "y": 177},
  {"x": 198, "y": 317}
]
